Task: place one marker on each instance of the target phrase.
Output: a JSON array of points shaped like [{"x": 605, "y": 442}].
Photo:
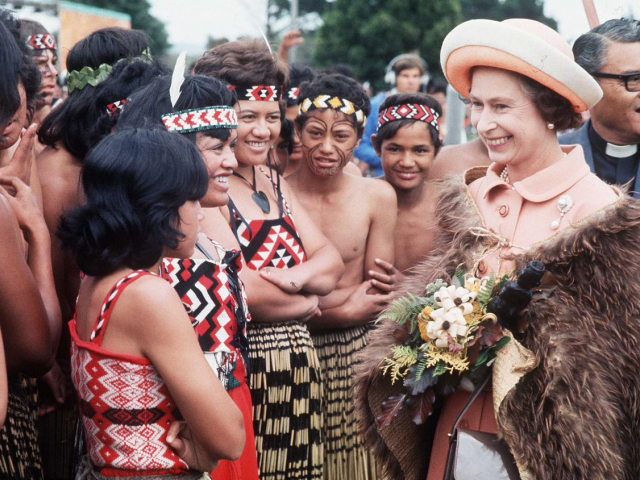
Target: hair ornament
[
  {"x": 42, "y": 41},
  {"x": 78, "y": 79},
  {"x": 198, "y": 119},
  {"x": 114, "y": 109},
  {"x": 293, "y": 93},
  {"x": 177, "y": 79},
  {"x": 411, "y": 111},
  {"x": 340, "y": 104}
]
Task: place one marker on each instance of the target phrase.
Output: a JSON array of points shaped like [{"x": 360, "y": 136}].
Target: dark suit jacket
[{"x": 581, "y": 137}]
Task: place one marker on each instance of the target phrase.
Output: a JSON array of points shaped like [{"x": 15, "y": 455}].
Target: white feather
[
  {"x": 265, "y": 39},
  {"x": 177, "y": 79}
]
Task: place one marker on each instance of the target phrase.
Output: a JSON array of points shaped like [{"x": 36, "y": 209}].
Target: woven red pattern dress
[
  {"x": 125, "y": 406},
  {"x": 215, "y": 299}
]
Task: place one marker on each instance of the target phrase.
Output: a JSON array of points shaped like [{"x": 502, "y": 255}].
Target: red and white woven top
[{"x": 125, "y": 406}]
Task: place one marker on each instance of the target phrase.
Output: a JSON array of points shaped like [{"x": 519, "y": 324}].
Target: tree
[
  {"x": 366, "y": 34},
  {"x": 141, "y": 19},
  {"x": 279, "y": 14},
  {"x": 502, "y": 9}
]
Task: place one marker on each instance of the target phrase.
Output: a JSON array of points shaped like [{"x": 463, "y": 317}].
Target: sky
[{"x": 190, "y": 22}]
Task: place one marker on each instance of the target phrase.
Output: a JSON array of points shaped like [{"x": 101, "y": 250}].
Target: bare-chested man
[
  {"x": 358, "y": 215},
  {"x": 407, "y": 141}
]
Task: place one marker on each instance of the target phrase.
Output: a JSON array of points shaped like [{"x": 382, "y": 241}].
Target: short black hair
[
  {"x": 298, "y": 74},
  {"x": 389, "y": 130},
  {"x": 134, "y": 181},
  {"x": 151, "y": 102},
  {"x": 335, "y": 85},
  {"x": 29, "y": 74},
  {"x": 11, "y": 62},
  {"x": 128, "y": 76},
  {"x": 590, "y": 49},
  {"x": 67, "y": 124}
]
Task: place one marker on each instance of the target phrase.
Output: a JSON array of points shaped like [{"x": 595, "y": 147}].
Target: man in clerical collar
[{"x": 611, "y": 54}]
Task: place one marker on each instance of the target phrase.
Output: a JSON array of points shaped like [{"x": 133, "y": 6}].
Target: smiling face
[
  {"x": 508, "y": 122},
  {"x": 258, "y": 128},
  {"x": 46, "y": 61},
  {"x": 617, "y": 116},
  {"x": 12, "y": 129},
  {"x": 407, "y": 156},
  {"x": 220, "y": 161},
  {"x": 328, "y": 139}
]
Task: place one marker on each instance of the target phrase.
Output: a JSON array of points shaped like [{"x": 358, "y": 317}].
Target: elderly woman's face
[{"x": 508, "y": 122}]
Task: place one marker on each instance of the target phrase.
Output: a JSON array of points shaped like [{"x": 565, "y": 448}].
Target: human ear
[{"x": 373, "y": 142}]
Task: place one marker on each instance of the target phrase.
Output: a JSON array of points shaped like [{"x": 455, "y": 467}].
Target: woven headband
[
  {"x": 78, "y": 79},
  {"x": 42, "y": 41},
  {"x": 334, "y": 103},
  {"x": 263, "y": 93},
  {"x": 411, "y": 111},
  {"x": 197, "y": 119},
  {"x": 293, "y": 93},
  {"x": 114, "y": 109}
]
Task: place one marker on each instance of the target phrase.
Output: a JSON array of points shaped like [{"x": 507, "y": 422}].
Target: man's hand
[
  {"x": 386, "y": 282},
  {"x": 24, "y": 204},
  {"x": 290, "y": 40}
]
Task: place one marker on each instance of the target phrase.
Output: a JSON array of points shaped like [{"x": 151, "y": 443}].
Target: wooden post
[{"x": 592, "y": 14}]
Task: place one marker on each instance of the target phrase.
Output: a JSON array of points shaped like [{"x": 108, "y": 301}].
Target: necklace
[
  {"x": 504, "y": 175},
  {"x": 259, "y": 197}
]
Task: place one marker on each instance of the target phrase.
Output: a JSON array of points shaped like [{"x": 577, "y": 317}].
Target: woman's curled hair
[{"x": 134, "y": 182}]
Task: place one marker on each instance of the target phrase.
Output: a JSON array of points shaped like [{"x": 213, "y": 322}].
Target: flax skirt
[
  {"x": 345, "y": 456},
  {"x": 286, "y": 392}
]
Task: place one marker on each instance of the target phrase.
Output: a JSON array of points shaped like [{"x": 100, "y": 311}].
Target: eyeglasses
[{"x": 631, "y": 80}]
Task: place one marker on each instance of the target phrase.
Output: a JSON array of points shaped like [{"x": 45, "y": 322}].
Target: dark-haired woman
[
  {"x": 68, "y": 133},
  {"x": 208, "y": 282},
  {"x": 152, "y": 407},
  {"x": 290, "y": 263}
]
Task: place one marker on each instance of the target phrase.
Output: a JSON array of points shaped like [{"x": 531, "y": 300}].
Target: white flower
[
  {"x": 451, "y": 297},
  {"x": 446, "y": 324}
]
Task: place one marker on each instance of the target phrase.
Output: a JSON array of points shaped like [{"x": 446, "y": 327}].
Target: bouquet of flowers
[{"x": 436, "y": 333}]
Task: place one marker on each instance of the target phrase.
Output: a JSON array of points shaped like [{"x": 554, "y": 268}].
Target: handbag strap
[{"x": 476, "y": 393}]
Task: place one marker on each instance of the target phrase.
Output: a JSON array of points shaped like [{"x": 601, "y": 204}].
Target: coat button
[{"x": 503, "y": 210}]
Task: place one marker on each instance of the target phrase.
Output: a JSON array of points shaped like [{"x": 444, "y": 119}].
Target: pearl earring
[{"x": 550, "y": 126}]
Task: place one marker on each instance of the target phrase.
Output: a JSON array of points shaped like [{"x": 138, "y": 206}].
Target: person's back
[{"x": 151, "y": 405}]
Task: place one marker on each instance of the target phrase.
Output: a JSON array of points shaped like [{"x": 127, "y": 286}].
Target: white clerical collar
[{"x": 621, "y": 151}]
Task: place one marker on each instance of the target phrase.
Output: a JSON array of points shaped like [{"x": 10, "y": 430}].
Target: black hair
[
  {"x": 10, "y": 65},
  {"x": 134, "y": 182},
  {"x": 286, "y": 133},
  {"x": 437, "y": 86},
  {"x": 389, "y": 130},
  {"x": 151, "y": 102},
  {"x": 298, "y": 74},
  {"x": 127, "y": 76},
  {"x": 67, "y": 124},
  {"x": 107, "y": 45},
  {"x": 335, "y": 85},
  {"x": 29, "y": 74},
  {"x": 590, "y": 49},
  {"x": 29, "y": 28},
  {"x": 339, "y": 68}
]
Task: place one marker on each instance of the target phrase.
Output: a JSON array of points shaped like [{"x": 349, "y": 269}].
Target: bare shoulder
[
  {"x": 59, "y": 175},
  {"x": 375, "y": 189},
  {"x": 455, "y": 159},
  {"x": 148, "y": 299}
]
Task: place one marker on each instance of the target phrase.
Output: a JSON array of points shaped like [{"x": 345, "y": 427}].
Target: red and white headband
[
  {"x": 410, "y": 111},
  {"x": 198, "y": 119},
  {"x": 42, "y": 41},
  {"x": 293, "y": 93},
  {"x": 261, "y": 93},
  {"x": 114, "y": 109}
]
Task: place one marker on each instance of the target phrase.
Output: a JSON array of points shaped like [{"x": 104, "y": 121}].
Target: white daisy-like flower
[{"x": 446, "y": 324}]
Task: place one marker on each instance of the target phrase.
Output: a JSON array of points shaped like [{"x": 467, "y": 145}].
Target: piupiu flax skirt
[
  {"x": 286, "y": 392},
  {"x": 345, "y": 456}
]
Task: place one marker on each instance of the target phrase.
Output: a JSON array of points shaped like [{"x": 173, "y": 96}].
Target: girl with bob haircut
[
  {"x": 209, "y": 281},
  {"x": 131, "y": 336},
  {"x": 290, "y": 264}
]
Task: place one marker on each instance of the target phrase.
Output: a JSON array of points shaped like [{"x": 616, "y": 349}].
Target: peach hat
[{"x": 519, "y": 45}]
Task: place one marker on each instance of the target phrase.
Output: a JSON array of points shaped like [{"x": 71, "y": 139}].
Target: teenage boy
[
  {"x": 358, "y": 215},
  {"x": 407, "y": 142}
]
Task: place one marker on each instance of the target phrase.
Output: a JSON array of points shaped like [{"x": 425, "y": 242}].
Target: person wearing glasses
[{"x": 611, "y": 54}]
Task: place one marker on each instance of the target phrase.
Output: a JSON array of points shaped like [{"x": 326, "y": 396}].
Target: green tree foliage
[
  {"x": 366, "y": 34},
  {"x": 141, "y": 19},
  {"x": 503, "y": 9}
]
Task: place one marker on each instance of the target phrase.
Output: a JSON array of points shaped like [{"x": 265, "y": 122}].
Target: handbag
[{"x": 478, "y": 455}]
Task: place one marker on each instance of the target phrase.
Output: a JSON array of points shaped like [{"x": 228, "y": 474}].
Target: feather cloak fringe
[{"x": 576, "y": 416}]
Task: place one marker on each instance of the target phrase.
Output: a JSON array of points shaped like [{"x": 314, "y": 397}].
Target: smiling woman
[{"x": 536, "y": 201}]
